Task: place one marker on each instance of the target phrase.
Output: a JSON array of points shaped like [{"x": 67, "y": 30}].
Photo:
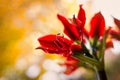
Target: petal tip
[{"x": 80, "y": 5}]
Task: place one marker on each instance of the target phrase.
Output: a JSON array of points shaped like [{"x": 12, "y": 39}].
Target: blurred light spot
[
  {"x": 33, "y": 11},
  {"x": 69, "y": 1},
  {"x": 33, "y": 37},
  {"x": 80, "y": 72},
  {"x": 2, "y": 78},
  {"x": 21, "y": 64},
  {"x": 33, "y": 71},
  {"x": 53, "y": 66},
  {"x": 81, "y": 1},
  {"x": 50, "y": 75},
  {"x": 18, "y": 22}
]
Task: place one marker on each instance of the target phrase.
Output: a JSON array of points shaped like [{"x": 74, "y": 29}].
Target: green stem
[
  {"x": 102, "y": 49},
  {"x": 89, "y": 60},
  {"x": 101, "y": 74},
  {"x": 94, "y": 47}
]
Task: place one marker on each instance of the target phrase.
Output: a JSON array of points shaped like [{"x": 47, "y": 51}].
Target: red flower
[
  {"x": 74, "y": 29},
  {"x": 97, "y": 26},
  {"x": 116, "y": 33},
  {"x": 55, "y": 44},
  {"x": 60, "y": 45}
]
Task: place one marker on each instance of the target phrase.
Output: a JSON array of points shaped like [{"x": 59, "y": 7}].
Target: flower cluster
[{"x": 74, "y": 47}]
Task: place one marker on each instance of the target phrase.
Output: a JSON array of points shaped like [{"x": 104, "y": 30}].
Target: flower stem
[
  {"x": 101, "y": 75},
  {"x": 89, "y": 60}
]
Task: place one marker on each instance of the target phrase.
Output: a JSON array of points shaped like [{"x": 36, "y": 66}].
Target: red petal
[
  {"x": 109, "y": 44},
  {"x": 71, "y": 61},
  {"x": 70, "y": 69},
  {"x": 48, "y": 41},
  {"x": 48, "y": 50},
  {"x": 71, "y": 64},
  {"x": 53, "y": 41},
  {"x": 108, "y": 30},
  {"x": 64, "y": 41},
  {"x": 86, "y": 33},
  {"x": 115, "y": 34},
  {"x": 77, "y": 22},
  {"x": 97, "y": 26},
  {"x": 69, "y": 29},
  {"x": 62, "y": 52},
  {"x": 76, "y": 48},
  {"x": 55, "y": 44},
  {"x": 81, "y": 15},
  {"x": 117, "y": 22}
]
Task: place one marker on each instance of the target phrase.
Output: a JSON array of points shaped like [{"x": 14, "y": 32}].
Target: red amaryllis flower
[
  {"x": 74, "y": 29},
  {"x": 116, "y": 33},
  {"x": 97, "y": 26},
  {"x": 59, "y": 45},
  {"x": 55, "y": 44}
]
